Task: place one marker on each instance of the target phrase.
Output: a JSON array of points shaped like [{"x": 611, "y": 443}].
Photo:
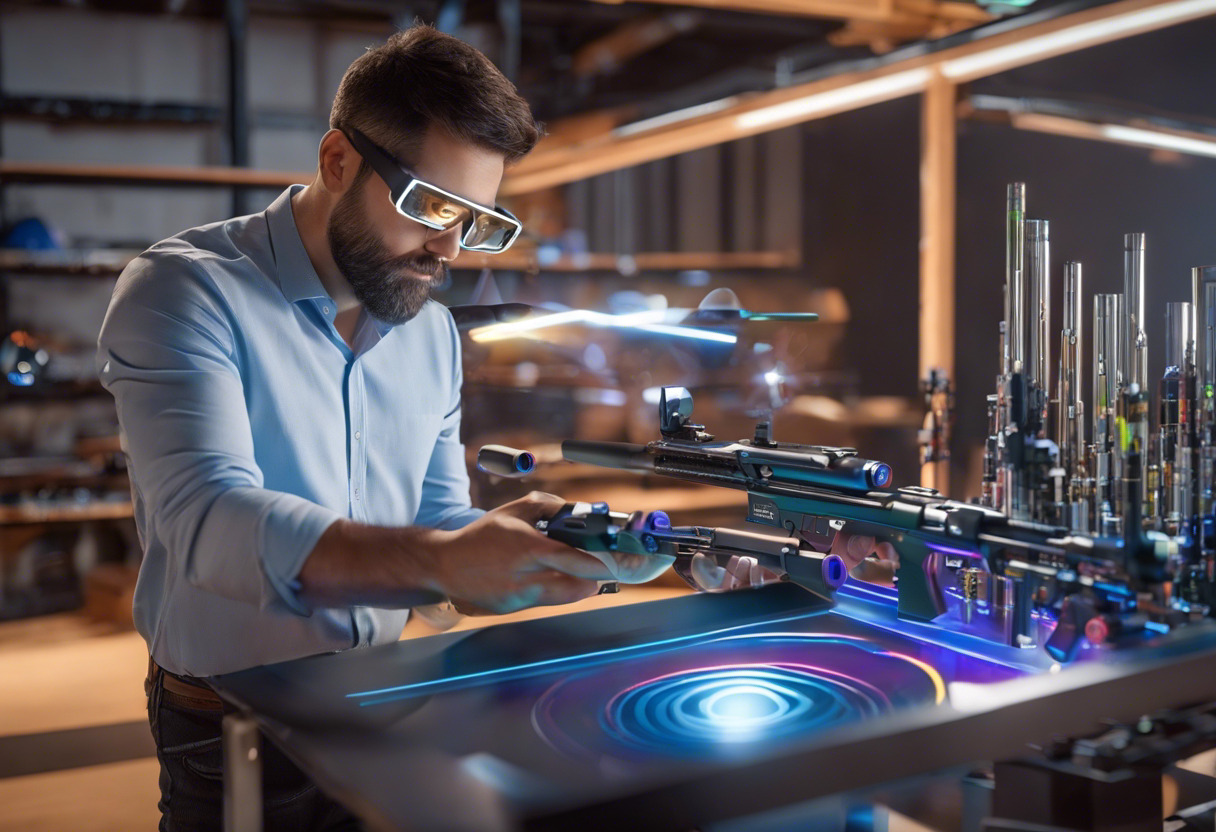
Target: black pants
[{"x": 189, "y": 745}]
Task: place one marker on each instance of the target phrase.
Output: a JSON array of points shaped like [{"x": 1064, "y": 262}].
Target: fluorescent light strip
[
  {"x": 1154, "y": 138},
  {"x": 637, "y": 320},
  {"x": 842, "y": 98},
  {"x": 1074, "y": 38},
  {"x": 674, "y": 117},
  {"x": 1117, "y": 133}
]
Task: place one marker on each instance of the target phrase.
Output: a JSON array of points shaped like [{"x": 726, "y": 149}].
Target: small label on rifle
[{"x": 763, "y": 511}]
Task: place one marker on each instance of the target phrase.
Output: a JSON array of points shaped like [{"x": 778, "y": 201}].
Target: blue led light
[{"x": 882, "y": 475}]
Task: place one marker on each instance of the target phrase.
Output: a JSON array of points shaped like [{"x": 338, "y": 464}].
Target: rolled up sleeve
[{"x": 167, "y": 355}]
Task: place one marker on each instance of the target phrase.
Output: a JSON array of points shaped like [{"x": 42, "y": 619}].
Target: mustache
[{"x": 430, "y": 266}]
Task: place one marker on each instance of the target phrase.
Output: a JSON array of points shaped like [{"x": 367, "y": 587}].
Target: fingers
[
  {"x": 631, "y": 568},
  {"x": 537, "y": 505},
  {"x": 886, "y": 551},
  {"x": 855, "y": 548},
  {"x": 560, "y": 588},
  {"x": 706, "y": 572},
  {"x": 573, "y": 562},
  {"x": 738, "y": 573}
]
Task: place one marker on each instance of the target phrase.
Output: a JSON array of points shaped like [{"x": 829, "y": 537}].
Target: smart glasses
[{"x": 484, "y": 229}]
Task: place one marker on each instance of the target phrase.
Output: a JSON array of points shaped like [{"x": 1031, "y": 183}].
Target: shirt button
[
  {"x": 358, "y": 435},
  {"x": 325, "y": 309}
]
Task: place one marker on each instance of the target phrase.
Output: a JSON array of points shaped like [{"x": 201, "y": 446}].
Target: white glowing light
[
  {"x": 773, "y": 378},
  {"x": 838, "y": 100},
  {"x": 1155, "y": 138},
  {"x": 644, "y": 321},
  {"x": 674, "y": 117},
  {"x": 743, "y": 706},
  {"x": 1117, "y": 133},
  {"x": 1073, "y": 38}
]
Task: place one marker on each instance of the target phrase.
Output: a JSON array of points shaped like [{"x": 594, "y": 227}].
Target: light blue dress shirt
[{"x": 250, "y": 427}]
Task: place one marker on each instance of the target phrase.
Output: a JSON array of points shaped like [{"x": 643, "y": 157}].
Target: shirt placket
[
  {"x": 357, "y": 449},
  {"x": 356, "y": 405}
]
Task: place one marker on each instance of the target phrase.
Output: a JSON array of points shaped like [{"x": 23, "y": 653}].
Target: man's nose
[{"x": 445, "y": 244}]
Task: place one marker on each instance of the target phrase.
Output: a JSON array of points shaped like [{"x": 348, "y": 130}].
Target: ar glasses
[{"x": 482, "y": 229}]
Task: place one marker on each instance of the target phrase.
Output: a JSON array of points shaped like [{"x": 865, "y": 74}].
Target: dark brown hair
[{"x": 419, "y": 77}]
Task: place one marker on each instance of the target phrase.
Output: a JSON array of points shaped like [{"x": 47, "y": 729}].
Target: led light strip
[
  {"x": 838, "y": 100},
  {"x": 643, "y": 321},
  {"x": 1116, "y": 133},
  {"x": 1072, "y": 38}
]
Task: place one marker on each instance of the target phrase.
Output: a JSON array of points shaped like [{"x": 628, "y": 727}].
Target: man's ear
[{"x": 338, "y": 162}]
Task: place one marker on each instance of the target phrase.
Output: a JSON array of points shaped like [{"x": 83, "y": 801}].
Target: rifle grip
[{"x": 918, "y": 600}]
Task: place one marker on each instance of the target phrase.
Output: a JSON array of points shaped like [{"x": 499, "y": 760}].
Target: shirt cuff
[{"x": 288, "y": 536}]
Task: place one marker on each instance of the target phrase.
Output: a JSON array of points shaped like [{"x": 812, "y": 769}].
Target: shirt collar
[{"x": 297, "y": 277}]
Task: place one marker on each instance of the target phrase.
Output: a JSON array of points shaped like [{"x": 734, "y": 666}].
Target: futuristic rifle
[{"x": 978, "y": 554}]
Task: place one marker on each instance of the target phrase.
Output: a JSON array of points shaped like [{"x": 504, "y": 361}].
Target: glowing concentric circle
[
  {"x": 729, "y": 696},
  {"x": 733, "y": 704}
]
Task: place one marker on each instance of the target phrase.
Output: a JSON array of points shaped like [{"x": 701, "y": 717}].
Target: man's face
[{"x": 391, "y": 262}]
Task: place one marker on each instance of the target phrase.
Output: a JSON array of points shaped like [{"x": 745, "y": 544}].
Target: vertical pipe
[
  {"x": 1203, "y": 308},
  {"x": 1015, "y": 299},
  {"x": 1108, "y": 376},
  {"x": 1173, "y": 447},
  {"x": 236, "y": 22},
  {"x": 1203, "y": 300},
  {"x": 1136, "y": 357},
  {"x": 1038, "y": 310},
  {"x": 1070, "y": 427},
  {"x": 1037, "y": 262}
]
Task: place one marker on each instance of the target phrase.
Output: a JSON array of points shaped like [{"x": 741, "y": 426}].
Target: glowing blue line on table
[{"x": 415, "y": 688}]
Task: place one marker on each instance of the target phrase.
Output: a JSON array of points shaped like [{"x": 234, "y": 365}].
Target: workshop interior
[{"x": 937, "y": 272}]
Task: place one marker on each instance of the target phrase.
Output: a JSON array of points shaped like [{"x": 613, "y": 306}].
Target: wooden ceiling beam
[
  {"x": 608, "y": 53},
  {"x": 879, "y": 11},
  {"x": 763, "y": 112}
]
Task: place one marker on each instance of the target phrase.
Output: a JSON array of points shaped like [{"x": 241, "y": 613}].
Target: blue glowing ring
[
  {"x": 735, "y": 704},
  {"x": 880, "y": 474}
]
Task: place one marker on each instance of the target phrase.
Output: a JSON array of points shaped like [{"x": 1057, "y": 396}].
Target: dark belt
[{"x": 182, "y": 691}]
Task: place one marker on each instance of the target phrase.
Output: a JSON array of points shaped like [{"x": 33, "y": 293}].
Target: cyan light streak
[
  {"x": 395, "y": 692},
  {"x": 646, "y": 321}
]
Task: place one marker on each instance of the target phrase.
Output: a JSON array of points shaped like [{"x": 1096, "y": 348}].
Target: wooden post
[{"x": 937, "y": 221}]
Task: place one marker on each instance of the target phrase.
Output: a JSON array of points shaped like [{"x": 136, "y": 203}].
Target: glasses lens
[
  {"x": 488, "y": 232},
  {"x": 433, "y": 209}
]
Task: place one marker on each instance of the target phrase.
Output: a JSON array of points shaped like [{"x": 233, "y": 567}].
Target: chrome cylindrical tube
[
  {"x": 1136, "y": 357},
  {"x": 1015, "y": 299},
  {"x": 1203, "y": 310},
  {"x": 1038, "y": 311},
  {"x": 1203, "y": 301},
  {"x": 1173, "y": 445},
  {"x": 1179, "y": 334},
  {"x": 1108, "y": 381},
  {"x": 1070, "y": 425}
]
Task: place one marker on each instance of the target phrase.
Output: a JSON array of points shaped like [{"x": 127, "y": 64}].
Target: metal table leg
[{"x": 242, "y": 774}]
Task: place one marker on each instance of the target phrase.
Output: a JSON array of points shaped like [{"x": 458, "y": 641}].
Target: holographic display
[{"x": 730, "y": 696}]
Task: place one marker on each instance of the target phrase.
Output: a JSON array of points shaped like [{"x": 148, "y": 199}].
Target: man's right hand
[{"x": 500, "y": 563}]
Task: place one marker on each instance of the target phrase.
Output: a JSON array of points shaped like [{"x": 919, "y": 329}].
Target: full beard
[{"x": 381, "y": 282}]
